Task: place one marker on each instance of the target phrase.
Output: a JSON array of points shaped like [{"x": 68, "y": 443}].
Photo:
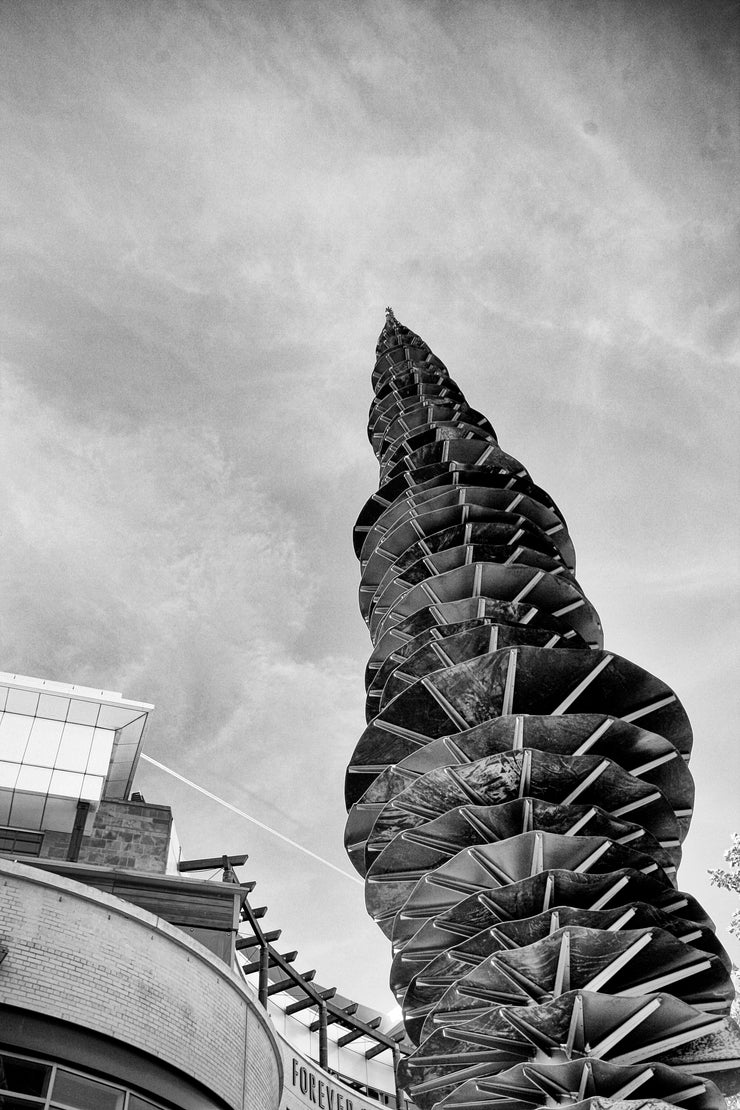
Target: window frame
[{"x": 50, "y": 1102}]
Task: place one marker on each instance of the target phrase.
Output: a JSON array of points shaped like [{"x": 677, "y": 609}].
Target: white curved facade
[
  {"x": 308, "y": 1085},
  {"x": 107, "y": 987}
]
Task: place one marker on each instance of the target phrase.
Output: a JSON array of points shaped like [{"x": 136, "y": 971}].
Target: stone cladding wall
[{"x": 133, "y": 835}]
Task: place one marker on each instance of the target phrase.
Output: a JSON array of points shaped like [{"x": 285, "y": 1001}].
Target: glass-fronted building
[
  {"x": 124, "y": 979},
  {"x": 63, "y": 749},
  {"x": 118, "y": 981}
]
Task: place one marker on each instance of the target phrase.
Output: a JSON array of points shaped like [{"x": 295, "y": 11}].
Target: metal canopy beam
[
  {"x": 290, "y": 983},
  {"x": 211, "y": 863},
  {"x": 355, "y": 1033},
  {"x": 253, "y": 940},
  {"x": 305, "y": 1003},
  {"x": 348, "y": 1010}
]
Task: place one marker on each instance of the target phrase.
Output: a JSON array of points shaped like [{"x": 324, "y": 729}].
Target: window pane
[
  {"x": 8, "y": 774},
  {"x": 75, "y": 747},
  {"x": 14, "y": 732},
  {"x": 113, "y": 717},
  {"x": 43, "y": 742},
  {"x": 136, "y": 1103},
  {"x": 83, "y": 712},
  {"x": 66, "y": 783},
  {"x": 26, "y": 810},
  {"x": 102, "y": 746},
  {"x": 53, "y": 707},
  {"x": 22, "y": 701},
  {"x": 24, "y": 843},
  {"x": 6, "y": 797},
  {"x": 92, "y": 788},
  {"x": 85, "y": 1094},
  {"x": 23, "y": 1076},
  {"x": 59, "y": 814},
  {"x": 36, "y": 779}
]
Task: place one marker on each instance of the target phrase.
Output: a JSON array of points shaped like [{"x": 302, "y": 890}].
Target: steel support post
[
  {"x": 323, "y": 1037},
  {"x": 263, "y": 983}
]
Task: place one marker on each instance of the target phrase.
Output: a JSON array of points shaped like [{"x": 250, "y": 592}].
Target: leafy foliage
[{"x": 730, "y": 879}]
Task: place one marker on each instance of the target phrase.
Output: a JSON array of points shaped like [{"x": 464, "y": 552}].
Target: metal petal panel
[{"x": 518, "y": 799}]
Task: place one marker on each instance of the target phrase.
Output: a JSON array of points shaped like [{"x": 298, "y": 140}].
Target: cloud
[
  {"x": 133, "y": 557},
  {"x": 134, "y": 560},
  {"x": 208, "y": 207}
]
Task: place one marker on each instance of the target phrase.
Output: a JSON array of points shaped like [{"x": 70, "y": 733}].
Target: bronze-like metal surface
[
  {"x": 393, "y": 874},
  {"x": 518, "y": 800}
]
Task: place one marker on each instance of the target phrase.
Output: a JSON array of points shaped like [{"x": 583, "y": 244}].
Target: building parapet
[{"x": 156, "y": 1002}]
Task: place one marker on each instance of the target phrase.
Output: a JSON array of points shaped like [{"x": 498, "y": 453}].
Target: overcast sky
[{"x": 206, "y": 207}]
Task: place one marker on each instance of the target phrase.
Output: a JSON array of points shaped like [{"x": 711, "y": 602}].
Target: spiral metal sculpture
[{"x": 518, "y": 800}]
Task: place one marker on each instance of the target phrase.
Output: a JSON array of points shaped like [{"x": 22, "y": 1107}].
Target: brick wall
[{"x": 82, "y": 956}]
